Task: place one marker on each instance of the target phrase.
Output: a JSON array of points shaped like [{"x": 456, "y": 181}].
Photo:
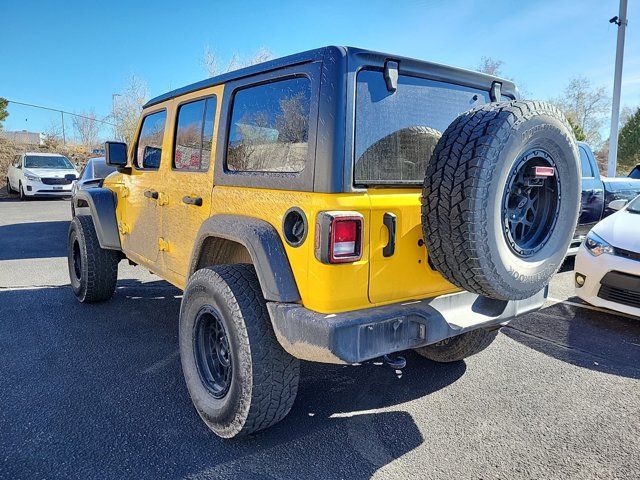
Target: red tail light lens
[
  {"x": 345, "y": 241},
  {"x": 339, "y": 237}
]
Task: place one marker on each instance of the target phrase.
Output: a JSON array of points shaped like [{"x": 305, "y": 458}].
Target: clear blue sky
[{"x": 73, "y": 55}]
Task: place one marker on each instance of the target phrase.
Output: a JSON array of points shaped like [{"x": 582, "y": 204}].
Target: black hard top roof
[{"x": 316, "y": 55}]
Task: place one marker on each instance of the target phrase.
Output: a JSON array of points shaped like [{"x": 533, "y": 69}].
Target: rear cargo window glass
[
  {"x": 396, "y": 132},
  {"x": 585, "y": 164},
  {"x": 194, "y": 134},
  {"x": 270, "y": 127},
  {"x": 149, "y": 148}
]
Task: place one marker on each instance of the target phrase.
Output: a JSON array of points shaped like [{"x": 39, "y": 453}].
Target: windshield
[
  {"x": 634, "y": 206},
  {"x": 42, "y": 161},
  {"x": 396, "y": 132}
]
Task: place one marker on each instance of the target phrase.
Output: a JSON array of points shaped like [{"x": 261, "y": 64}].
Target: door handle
[
  {"x": 197, "y": 201},
  {"x": 151, "y": 194},
  {"x": 389, "y": 221}
]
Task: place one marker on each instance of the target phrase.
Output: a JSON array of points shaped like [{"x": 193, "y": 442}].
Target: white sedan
[
  {"x": 41, "y": 174},
  {"x": 607, "y": 270}
]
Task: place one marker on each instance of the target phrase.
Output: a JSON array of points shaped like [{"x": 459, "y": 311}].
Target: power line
[{"x": 62, "y": 111}]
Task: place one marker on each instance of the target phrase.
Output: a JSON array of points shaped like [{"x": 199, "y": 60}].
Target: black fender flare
[
  {"x": 265, "y": 247},
  {"x": 102, "y": 205}
]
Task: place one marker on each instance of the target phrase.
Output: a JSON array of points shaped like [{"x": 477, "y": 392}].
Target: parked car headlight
[
  {"x": 32, "y": 178},
  {"x": 596, "y": 245}
]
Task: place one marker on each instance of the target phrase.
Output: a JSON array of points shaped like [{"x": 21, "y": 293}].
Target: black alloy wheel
[
  {"x": 530, "y": 203},
  {"x": 212, "y": 352}
]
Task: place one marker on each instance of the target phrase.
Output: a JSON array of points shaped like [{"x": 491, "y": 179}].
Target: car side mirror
[
  {"x": 116, "y": 154},
  {"x": 618, "y": 204}
]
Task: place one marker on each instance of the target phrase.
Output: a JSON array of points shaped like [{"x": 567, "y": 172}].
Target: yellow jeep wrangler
[{"x": 337, "y": 205}]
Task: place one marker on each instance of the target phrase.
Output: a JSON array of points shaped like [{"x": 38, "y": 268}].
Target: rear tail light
[{"x": 338, "y": 237}]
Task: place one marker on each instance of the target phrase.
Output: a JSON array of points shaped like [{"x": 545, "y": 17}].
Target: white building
[{"x": 23, "y": 136}]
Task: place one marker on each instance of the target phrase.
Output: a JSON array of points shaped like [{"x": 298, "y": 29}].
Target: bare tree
[
  {"x": 586, "y": 105},
  {"x": 211, "y": 62},
  {"x": 128, "y": 106},
  {"x": 490, "y": 66},
  {"x": 53, "y": 134},
  {"x": 86, "y": 128}
]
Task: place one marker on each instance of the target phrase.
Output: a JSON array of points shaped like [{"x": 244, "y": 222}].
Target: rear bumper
[{"x": 360, "y": 335}]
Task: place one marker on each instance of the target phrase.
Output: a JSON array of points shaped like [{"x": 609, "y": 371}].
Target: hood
[
  {"x": 50, "y": 172},
  {"x": 622, "y": 230}
]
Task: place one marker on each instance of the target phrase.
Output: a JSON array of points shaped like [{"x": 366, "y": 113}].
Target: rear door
[
  {"x": 395, "y": 134},
  {"x": 142, "y": 212},
  {"x": 592, "y": 202},
  {"x": 189, "y": 180}
]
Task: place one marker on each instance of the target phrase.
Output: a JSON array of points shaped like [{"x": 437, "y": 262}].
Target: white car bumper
[
  {"x": 40, "y": 189},
  {"x": 616, "y": 292}
]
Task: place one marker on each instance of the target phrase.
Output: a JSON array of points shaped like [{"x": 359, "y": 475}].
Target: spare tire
[
  {"x": 494, "y": 222},
  {"x": 401, "y": 155}
]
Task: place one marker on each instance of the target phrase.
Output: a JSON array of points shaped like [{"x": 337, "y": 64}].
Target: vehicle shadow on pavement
[
  {"x": 33, "y": 240},
  {"x": 596, "y": 340},
  {"x": 97, "y": 391}
]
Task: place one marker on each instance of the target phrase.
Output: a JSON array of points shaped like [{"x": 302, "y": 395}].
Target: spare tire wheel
[
  {"x": 403, "y": 154},
  {"x": 501, "y": 198}
]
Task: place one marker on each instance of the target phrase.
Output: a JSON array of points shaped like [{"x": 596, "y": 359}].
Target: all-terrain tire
[
  {"x": 465, "y": 190},
  {"x": 93, "y": 270},
  {"x": 263, "y": 377},
  {"x": 401, "y": 155},
  {"x": 460, "y": 347}
]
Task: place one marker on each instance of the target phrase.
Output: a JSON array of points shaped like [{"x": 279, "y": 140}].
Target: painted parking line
[{"x": 555, "y": 301}]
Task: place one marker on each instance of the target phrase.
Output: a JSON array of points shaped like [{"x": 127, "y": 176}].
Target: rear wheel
[
  {"x": 239, "y": 377},
  {"x": 93, "y": 270},
  {"x": 460, "y": 347}
]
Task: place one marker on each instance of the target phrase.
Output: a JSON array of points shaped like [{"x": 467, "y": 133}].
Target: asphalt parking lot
[{"x": 97, "y": 391}]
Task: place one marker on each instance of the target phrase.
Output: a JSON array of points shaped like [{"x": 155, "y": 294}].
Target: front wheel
[
  {"x": 9, "y": 189},
  {"x": 93, "y": 270},
  {"x": 21, "y": 192},
  {"x": 239, "y": 377}
]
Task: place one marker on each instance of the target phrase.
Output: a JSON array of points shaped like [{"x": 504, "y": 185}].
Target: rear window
[
  {"x": 270, "y": 127},
  {"x": 194, "y": 134},
  {"x": 102, "y": 170},
  {"x": 396, "y": 132}
]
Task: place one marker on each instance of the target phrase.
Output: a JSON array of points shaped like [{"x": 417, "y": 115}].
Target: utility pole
[
  {"x": 621, "y": 21},
  {"x": 64, "y": 137},
  {"x": 113, "y": 112}
]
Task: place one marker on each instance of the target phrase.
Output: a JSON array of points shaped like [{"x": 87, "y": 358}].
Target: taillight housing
[{"x": 338, "y": 237}]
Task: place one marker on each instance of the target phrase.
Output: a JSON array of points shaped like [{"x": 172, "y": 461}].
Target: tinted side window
[
  {"x": 149, "y": 148},
  {"x": 635, "y": 173},
  {"x": 586, "y": 165},
  {"x": 194, "y": 134},
  {"x": 269, "y": 127}
]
